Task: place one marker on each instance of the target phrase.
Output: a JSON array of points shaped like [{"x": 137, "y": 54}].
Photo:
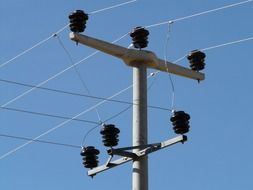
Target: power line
[
  {"x": 63, "y": 144},
  {"x": 120, "y": 101},
  {"x": 215, "y": 47},
  {"x": 199, "y": 14},
  {"x": 59, "y": 73},
  {"x": 72, "y": 62},
  {"x": 93, "y": 128},
  {"x": 112, "y": 117},
  {"x": 168, "y": 36},
  {"x": 39, "y": 141},
  {"x": 59, "y": 31},
  {"x": 228, "y": 43},
  {"x": 118, "y": 5},
  {"x": 156, "y": 107},
  {"x": 46, "y": 81},
  {"x": 54, "y": 76},
  {"x": 61, "y": 124},
  {"x": 66, "y": 122},
  {"x": 47, "y": 115},
  {"x": 153, "y": 25},
  {"x": 77, "y": 72},
  {"x": 76, "y": 94},
  {"x": 112, "y": 7},
  {"x": 33, "y": 47}
]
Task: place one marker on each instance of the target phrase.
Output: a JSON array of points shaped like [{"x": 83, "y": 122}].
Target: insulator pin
[
  {"x": 110, "y": 135},
  {"x": 77, "y": 21},
  {"x": 180, "y": 122},
  {"x": 197, "y": 60},
  {"x": 139, "y": 37}
]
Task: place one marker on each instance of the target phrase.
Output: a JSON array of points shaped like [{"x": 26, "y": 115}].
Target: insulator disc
[
  {"x": 90, "y": 164},
  {"x": 109, "y": 129},
  {"x": 181, "y": 130},
  {"x": 110, "y": 135},
  {"x": 180, "y": 122},
  {"x": 180, "y": 115},
  {"x": 89, "y": 150},
  {"x": 78, "y": 21},
  {"x": 197, "y": 60},
  {"x": 90, "y": 158},
  {"x": 139, "y": 37}
]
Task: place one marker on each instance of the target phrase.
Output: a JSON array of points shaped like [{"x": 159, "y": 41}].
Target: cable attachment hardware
[
  {"x": 110, "y": 135},
  {"x": 180, "y": 121},
  {"x": 197, "y": 60},
  {"x": 78, "y": 20},
  {"x": 90, "y": 158},
  {"x": 139, "y": 37}
]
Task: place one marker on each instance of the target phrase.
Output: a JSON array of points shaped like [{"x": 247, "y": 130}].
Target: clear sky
[{"x": 218, "y": 154}]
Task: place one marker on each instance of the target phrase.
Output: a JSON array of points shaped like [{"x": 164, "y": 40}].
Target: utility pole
[
  {"x": 140, "y": 60},
  {"x": 140, "y": 129}
]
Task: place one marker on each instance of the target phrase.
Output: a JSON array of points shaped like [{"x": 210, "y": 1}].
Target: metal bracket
[
  {"x": 109, "y": 160},
  {"x": 129, "y": 156},
  {"x": 122, "y": 153}
]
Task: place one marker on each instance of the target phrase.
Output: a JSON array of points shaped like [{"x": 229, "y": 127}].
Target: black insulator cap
[
  {"x": 77, "y": 21},
  {"x": 139, "y": 37},
  {"x": 197, "y": 60},
  {"x": 90, "y": 158},
  {"x": 180, "y": 122},
  {"x": 110, "y": 135}
]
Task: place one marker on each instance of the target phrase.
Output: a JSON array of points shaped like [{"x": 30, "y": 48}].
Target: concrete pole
[{"x": 140, "y": 131}]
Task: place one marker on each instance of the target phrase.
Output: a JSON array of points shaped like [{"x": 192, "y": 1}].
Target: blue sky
[{"x": 218, "y": 153}]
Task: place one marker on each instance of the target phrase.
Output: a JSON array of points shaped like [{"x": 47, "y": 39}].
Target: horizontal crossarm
[{"x": 133, "y": 57}]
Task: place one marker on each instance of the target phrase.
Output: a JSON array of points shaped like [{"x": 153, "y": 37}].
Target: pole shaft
[{"x": 140, "y": 131}]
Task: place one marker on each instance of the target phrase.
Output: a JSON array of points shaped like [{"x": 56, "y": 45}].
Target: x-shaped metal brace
[{"x": 132, "y": 156}]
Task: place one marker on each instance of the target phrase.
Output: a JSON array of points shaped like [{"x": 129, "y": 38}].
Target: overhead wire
[
  {"x": 55, "y": 76},
  {"x": 61, "y": 124},
  {"x": 116, "y": 115},
  {"x": 63, "y": 117},
  {"x": 66, "y": 121},
  {"x": 77, "y": 72},
  {"x": 228, "y": 43},
  {"x": 3, "y": 156},
  {"x": 102, "y": 102},
  {"x": 59, "y": 73},
  {"x": 71, "y": 145},
  {"x": 84, "y": 138},
  {"x": 101, "y": 98},
  {"x": 95, "y": 127},
  {"x": 76, "y": 94},
  {"x": 168, "y": 36},
  {"x": 153, "y": 25},
  {"x": 112, "y": 7},
  {"x": 72, "y": 62},
  {"x": 215, "y": 47},
  {"x": 64, "y": 144},
  {"x": 199, "y": 14},
  {"x": 33, "y": 47},
  {"x": 58, "y": 32},
  {"x": 119, "y": 101},
  {"x": 46, "y": 81},
  {"x": 39, "y": 141},
  {"x": 47, "y": 115}
]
